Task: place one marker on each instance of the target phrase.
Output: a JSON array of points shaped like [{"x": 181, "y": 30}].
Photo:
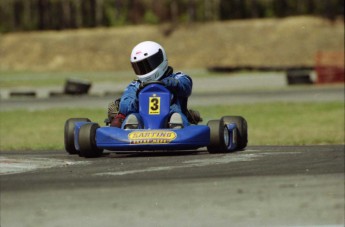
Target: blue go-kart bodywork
[{"x": 88, "y": 139}]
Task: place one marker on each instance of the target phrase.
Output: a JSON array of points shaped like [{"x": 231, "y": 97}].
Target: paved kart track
[
  {"x": 312, "y": 94},
  {"x": 217, "y": 90},
  {"x": 260, "y": 186}
]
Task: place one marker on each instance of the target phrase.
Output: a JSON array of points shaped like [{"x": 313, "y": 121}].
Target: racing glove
[
  {"x": 118, "y": 120},
  {"x": 113, "y": 110}
]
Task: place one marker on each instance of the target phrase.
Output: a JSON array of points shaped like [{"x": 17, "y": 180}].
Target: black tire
[
  {"x": 242, "y": 129},
  {"x": 69, "y": 134},
  {"x": 87, "y": 141},
  {"x": 217, "y": 142},
  {"x": 298, "y": 76}
]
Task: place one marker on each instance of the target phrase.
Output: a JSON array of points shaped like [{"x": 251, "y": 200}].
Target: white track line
[
  {"x": 20, "y": 165},
  {"x": 223, "y": 159}
]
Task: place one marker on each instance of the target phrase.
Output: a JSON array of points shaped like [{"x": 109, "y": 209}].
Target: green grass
[
  {"x": 269, "y": 124},
  {"x": 289, "y": 123}
]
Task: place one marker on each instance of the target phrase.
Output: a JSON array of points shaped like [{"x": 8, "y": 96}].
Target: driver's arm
[
  {"x": 180, "y": 83},
  {"x": 129, "y": 100}
]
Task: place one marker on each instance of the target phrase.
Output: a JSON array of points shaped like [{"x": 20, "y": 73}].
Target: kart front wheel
[
  {"x": 219, "y": 137},
  {"x": 87, "y": 141},
  {"x": 69, "y": 134},
  {"x": 242, "y": 129}
]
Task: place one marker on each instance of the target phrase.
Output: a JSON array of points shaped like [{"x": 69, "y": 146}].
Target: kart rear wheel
[
  {"x": 219, "y": 137},
  {"x": 69, "y": 134},
  {"x": 242, "y": 129},
  {"x": 87, "y": 141}
]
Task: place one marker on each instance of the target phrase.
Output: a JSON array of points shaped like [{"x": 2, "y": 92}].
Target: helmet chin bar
[
  {"x": 147, "y": 79},
  {"x": 155, "y": 74}
]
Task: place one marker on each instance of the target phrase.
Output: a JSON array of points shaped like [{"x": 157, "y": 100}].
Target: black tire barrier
[
  {"x": 23, "y": 94},
  {"x": 298, "y": 77},
  {"x": 76, "y": 87}
]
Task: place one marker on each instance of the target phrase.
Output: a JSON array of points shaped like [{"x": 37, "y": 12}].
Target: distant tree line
[{"x": 26, "y": 15}]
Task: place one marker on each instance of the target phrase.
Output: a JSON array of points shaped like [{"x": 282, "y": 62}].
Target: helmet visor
[{"x": 148, "y": 64}]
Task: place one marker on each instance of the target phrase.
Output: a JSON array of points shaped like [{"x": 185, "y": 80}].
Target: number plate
[{"x": 155, "y": 105}]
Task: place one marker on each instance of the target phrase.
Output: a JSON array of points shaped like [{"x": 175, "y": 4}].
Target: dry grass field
[{"x": 265, "y": 42}]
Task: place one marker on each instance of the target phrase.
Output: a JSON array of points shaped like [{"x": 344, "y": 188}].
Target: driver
[{"x": 150, "y": 63}]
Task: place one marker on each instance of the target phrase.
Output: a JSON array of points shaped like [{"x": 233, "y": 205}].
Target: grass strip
[{"x": 269, "y": 124}]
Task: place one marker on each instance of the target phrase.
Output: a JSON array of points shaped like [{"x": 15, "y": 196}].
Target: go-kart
[{"x": 88, "y": 139}]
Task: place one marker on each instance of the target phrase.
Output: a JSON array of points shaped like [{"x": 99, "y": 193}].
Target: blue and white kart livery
[{"x": 88, "y": 139}]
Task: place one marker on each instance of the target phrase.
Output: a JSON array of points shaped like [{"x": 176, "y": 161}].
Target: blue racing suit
[{"x": 180, "y": 83}]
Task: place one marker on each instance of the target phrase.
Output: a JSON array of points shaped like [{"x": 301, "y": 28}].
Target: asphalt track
[
  {"x": 223, "y": 90},
  {"x": 259, "y": 186}
]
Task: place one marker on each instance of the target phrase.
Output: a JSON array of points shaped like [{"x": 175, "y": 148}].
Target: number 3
[{"x": 154, "y": 105}]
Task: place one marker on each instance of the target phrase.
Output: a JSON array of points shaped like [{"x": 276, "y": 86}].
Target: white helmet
[{"x": 149, "y": 61}]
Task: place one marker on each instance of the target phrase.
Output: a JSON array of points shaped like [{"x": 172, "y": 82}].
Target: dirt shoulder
[{"x": 275, "y": 42}]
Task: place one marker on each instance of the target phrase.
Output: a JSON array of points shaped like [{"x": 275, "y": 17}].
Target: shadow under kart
[{"x": 88, "y": 139}]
